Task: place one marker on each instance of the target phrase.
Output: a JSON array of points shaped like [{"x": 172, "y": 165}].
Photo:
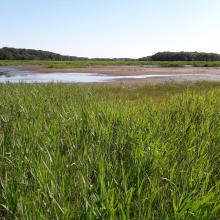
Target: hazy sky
[{"x": 111, "y": 28}]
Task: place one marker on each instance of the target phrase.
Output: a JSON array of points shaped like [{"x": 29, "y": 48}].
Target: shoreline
[
  {"x": 176, "y": 74},
  {"x": 125, "y": 70}
]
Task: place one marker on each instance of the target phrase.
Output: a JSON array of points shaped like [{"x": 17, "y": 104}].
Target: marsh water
[{"x": 16, "y": 75}]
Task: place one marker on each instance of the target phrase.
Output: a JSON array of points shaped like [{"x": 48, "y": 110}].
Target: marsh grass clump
[{"x": 110, "y": 152}]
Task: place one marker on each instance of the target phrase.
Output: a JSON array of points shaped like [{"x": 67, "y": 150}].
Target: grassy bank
[
  {"x": 110, "y": 152},
  {"x": 87, "y": 63}
]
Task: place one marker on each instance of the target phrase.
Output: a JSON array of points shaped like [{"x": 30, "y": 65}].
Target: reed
[{"x": 110, "y": 152}]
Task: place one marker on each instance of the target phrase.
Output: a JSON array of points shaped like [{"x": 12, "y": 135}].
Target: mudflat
[
  {"x": 129, "y": 70},
  {"x": 126, "y": 74}
]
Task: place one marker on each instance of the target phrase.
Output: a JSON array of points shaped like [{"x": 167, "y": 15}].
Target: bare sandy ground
[{"x": 130, "y": 70}]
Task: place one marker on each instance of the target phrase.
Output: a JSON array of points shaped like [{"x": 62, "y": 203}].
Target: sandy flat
[
  {"x": 130, "y": 70},
  {"x": 194, "y": 74}
]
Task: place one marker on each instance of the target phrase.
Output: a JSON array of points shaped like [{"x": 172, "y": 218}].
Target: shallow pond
[{"x": 16, "y": 75}]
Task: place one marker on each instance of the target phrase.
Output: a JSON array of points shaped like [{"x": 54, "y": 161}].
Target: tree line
[
  {"x": 183, "y": 56},
  {"x": 7, "y": 53},
  {"x": 30, "y": 54}
]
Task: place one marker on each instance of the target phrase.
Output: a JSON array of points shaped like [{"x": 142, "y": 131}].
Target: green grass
[
  {"x": 87, "y": 63},
  {"x": 110, "y": 152}
]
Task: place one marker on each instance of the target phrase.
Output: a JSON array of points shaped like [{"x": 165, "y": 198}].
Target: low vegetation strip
[
  {"x": 110, "y": 152},
  {"x": 89, "y": 63}
]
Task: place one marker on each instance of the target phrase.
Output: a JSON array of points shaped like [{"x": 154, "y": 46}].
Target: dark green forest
[
  {"x": 7, "y": 53},
  {"x": 183, "y": 56}
]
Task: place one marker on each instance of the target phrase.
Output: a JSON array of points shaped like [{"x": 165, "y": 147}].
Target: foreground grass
[
  {"x": 110, "y": 152},
  {"x": 89, "y": 63}
]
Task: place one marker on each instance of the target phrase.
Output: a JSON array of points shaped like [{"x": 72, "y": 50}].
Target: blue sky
[{"x": 111, "y": 28}]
